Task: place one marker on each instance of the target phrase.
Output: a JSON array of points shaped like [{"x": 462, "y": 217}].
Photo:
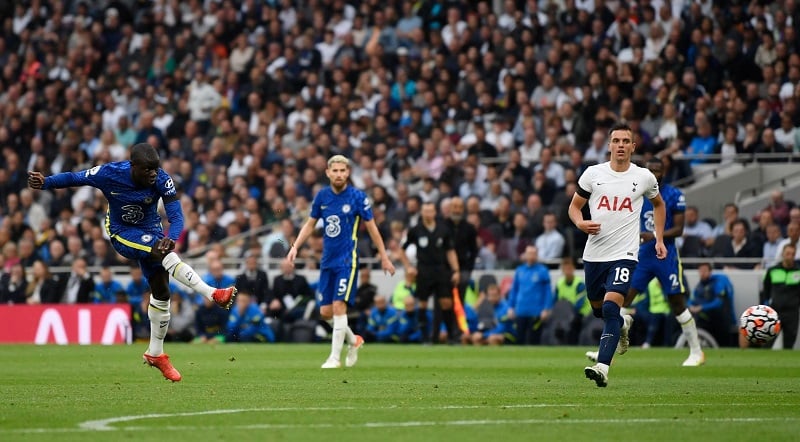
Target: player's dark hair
[
  {"x": 143, "y": 153},
  {"x": 620, "y": 126}
]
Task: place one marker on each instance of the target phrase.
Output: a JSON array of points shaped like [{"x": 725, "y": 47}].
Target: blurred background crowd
[{"x": 502, "y": 103}]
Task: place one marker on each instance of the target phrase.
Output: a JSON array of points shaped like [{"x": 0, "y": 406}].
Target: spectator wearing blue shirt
[
  {"x": 108, "y": 290},
  {"x": 216, "y": 276},
  {"x": 210, "y": 322},
  {"x": 247, "y": 323},
  {"x": 712, "y": 304},
  {"x": 408, "y": 327},
  {"x": 702, "y": 144},
  {"x": 531, "y": 297},
  {"x": 495, "y": 327},
  {"x": 137, "y": 287},
  {"x": 382, "y": 323}
]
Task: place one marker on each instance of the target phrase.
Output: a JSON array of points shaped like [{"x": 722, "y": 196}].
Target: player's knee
[
  {"x": 170, "y": 261},
  {"x": 597, "y": 312},
  {"x": 610, "y": 309}
]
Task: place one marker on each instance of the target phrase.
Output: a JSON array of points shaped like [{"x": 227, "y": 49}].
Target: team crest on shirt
[
  {"x": 346, "y": 208},
  {"x": 423, "y": 241},
  {"x": 147, "y": 238}
]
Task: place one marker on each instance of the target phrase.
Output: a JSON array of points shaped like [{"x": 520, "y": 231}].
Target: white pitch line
[{"x": 106, "y": 424}]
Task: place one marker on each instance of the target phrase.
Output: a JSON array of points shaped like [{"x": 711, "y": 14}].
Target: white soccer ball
[{"x": 759, "y": 324}]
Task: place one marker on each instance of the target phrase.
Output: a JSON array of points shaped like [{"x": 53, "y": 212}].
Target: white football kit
[{"x": 615, "y": 201}]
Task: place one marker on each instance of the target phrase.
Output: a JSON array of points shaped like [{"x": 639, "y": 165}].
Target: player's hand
[
  {"x": 456, "y": 278},
  {"x": 589, "y": 227},
  {"x": 510, "y": 313},
  {"x": 661, "y": 249},
  {"x": 35, "y": 180},
  {"x": 291, "y": 255},
  {"x": 387, "y": 265},
  {"x": 165, "y": 245}
]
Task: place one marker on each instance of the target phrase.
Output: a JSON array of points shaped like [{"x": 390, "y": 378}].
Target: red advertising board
[{"x": 65, "y": 324}]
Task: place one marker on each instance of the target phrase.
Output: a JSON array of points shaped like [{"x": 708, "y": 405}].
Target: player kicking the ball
[
  {"x": 133, "y": 189},
  {"x": 615, "y": 191},
  {"x": 341, "y": 208}
]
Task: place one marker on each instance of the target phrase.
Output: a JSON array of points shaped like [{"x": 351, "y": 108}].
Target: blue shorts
[
  {"x": 337, "y": 284},
  {"x": 136, "y": 245},
  {"x": 669, "y": 272},
  {"x": 604, "y": 277}
]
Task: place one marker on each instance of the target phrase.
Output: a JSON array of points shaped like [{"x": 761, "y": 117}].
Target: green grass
[{"x": 396, "y": 393}]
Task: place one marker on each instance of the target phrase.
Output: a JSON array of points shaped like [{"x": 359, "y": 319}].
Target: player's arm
[
  {"x": 377, "y": 239},
  {"x": 302, "y": 236},
  {"x": 172, "y": 206},
  {"x": 62, "y": 180},
  {"x": 659, "y": 216},
  {"x": 576, "y": 215}
]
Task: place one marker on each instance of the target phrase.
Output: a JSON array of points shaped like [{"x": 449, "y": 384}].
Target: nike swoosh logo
[
  {"x": 116, "y": 193},
  {"x": 323, "y": 207},
  {"x": 600, "y": 184},
  {"x": 604, "y": 336}
]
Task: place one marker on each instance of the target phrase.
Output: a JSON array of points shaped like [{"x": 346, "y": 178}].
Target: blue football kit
[
  {"x": 132, "y": 221},
  {"x": 341, "y": 215}
]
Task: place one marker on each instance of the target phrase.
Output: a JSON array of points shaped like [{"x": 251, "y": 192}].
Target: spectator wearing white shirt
[
  {"x": 112, "y": 113},
  {"x": 551, "y": 242},
  {"x": 455, "y": 29},
  {"x": 531, "y": 148},
  {"x": 785, "y": 134},
  {"x": 551, "y": 169},
  {"x": 471, "y": 185},
  {"x": 597, "y": 150},
  {"x": 792, "y": 237},
  {"x": 694, "y": 226},
  {"x": 499, "y": 136},
  {"x": 772, "y": 246}
]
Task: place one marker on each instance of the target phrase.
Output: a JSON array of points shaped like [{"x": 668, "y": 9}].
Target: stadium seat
[
  {"x": 591, "y": 331},
  {"x": 302, "y": 331},
  {"x": 556, "y": 330}
]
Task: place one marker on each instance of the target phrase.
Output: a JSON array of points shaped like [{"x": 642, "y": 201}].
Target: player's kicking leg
[{"x": 186, "y": 275}]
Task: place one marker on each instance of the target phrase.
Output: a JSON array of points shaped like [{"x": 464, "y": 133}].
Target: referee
[{"x": 437, "y": 271}]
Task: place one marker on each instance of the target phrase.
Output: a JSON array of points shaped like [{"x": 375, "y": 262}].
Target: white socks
[
  {"x": 186, "y": 275},
  {"x": 158, "y": 312},
  {"x": 339, "y": 333},
  {"x": 350, "y": 337},
  {"x": 689, "y": 327}
]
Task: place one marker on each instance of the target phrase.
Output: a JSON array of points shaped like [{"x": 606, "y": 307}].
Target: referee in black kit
[{"x": 438, "y": 271}]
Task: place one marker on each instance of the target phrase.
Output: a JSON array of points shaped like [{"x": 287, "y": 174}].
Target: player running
[
  {"x": 615, "y": 191},
  {"x": 669, "y": 271}
]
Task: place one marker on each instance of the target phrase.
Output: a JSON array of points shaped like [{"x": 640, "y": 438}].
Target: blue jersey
[
  {"x": 129, "y": 206},
  {"x": 674, "y": 203},
  {"x": 530, "y": 290},
  {"x": 340, "y": 213},
  {"x": 669, "y": 271}
]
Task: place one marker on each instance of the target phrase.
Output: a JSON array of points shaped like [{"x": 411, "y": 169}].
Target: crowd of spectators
[{"x": 503, "y": 103}]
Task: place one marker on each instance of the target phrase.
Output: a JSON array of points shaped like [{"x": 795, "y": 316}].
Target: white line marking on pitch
[{"x": 106, "y": 424}]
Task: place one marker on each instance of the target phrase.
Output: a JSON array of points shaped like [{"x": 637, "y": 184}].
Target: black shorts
[{"x": 436, "y": 284}]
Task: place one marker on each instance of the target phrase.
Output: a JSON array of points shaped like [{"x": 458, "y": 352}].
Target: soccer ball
[{"x": 759, "y": 324}]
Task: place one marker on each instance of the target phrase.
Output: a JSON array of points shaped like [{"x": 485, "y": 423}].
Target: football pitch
[{"x": 395, "y": 393}]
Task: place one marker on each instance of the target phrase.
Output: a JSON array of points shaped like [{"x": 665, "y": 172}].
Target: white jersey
[{"x": 615, "y": 201}]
